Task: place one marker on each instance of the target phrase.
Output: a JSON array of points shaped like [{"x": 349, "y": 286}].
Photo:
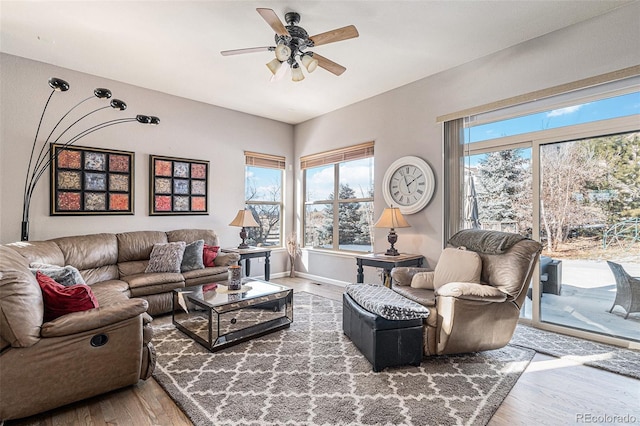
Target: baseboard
[{"x": 323, "y": 280}]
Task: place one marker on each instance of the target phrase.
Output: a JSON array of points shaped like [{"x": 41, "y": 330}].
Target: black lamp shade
[
  {"x": 102, "y": 93},
  {"x": 154, "y": 120},
  {"x": 118, "y": 104},
  {"x": 58, "y": 84},
  {"x": 144, "y": 119}
]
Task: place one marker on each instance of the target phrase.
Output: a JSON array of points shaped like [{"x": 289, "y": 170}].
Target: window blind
[
  {"x": 350, "y": 153},
  {"x": 264, "y": 160}
]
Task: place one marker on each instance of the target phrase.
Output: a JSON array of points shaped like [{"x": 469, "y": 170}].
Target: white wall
[
  {"x": 403, "y": 121},
  {"x": 188, "y": 129}
]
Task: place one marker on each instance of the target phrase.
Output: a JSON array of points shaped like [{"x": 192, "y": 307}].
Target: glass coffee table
[{"x": 218, "y": 318}]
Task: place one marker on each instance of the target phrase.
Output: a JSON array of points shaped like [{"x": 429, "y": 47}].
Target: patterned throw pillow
[
  {"x": 65, "y": 275},
  {"x": 166, "y": 257},
  {"x": 192, "y": 258},
  {"x": 60, "y": 300}
]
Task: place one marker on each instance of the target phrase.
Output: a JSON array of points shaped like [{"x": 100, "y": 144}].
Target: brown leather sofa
[
  {"x": 82, "y": 354},
  {"x": 468, "y": 316}
]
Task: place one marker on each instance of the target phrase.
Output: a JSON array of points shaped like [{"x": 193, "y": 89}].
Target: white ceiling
[{"x": 174, "y": 46}]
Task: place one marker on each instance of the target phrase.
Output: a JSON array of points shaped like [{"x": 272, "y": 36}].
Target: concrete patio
[{"x": 588, "y": 291}]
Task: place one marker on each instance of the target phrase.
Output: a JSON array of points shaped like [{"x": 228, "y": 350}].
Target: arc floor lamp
[{"x": 39, "y": 163}]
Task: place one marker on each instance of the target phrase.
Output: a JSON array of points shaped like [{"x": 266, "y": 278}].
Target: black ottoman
[{"x": 385, "y": 343}]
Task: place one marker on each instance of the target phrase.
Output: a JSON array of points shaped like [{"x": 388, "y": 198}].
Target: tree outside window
[
  {"x": 263, "y": 195},
  {"x": 345, "y": 221}
]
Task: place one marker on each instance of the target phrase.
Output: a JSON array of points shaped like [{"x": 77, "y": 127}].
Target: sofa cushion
[
  {"x": 166, "y": 257},
  {"x": 137, "y": 245},
  {"x": 21, "y": 306},
  {"x": 423, "y": 280},
  {"x": 457, "y": 265},
  {"x": 65, "y": 275},
  {"x": 192, "y": 258},
  {"x": 153, "y": 283},
  {"x": 89, "y": 251},
  {"x": 60, "y": 300},
  {"x": 191, "y": 235},
  {"x": 422, "y": 296},
  {"x": 39, "y": 251},
  {"x": 209, "y": 254}
]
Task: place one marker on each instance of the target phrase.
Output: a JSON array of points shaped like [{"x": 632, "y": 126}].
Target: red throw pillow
[
  {"x": 209, "y": 253},
  {"x": 60, "y": 300}
]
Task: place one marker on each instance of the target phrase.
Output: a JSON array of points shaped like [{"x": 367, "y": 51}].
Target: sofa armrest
[
  {"x": 77, "y": 322},
  {"x": 471, "y": 291},
  {"x": 403, "y": 275},
  {"x": 226, "y": 259}
]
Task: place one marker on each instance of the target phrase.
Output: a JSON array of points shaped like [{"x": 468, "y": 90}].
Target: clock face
[{"x": 408, "y": 184}]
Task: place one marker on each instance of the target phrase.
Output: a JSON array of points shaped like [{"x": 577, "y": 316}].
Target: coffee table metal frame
[{"x": 232, "y": 317}]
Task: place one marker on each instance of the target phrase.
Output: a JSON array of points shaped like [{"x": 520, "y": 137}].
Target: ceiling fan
[{"x": 292, "y": 43}]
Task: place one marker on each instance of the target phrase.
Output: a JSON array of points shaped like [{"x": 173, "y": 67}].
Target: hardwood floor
[{"x": 551, "y": 391}]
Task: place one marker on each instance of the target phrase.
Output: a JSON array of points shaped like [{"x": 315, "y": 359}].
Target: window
[
  {"x": 263, "y": 197},
  {"x": 345, "y": 221}
]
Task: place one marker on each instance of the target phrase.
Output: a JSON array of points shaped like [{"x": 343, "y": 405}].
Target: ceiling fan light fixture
[
  {"x": 296, "y": 73},
  {"x": 274, "y": 66},
  {"x": 309, "y": 62},
  {"x": 283, "y": 52}
]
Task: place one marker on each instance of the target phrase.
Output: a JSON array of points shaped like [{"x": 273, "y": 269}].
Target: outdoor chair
[{"x": 627, "y": 290}]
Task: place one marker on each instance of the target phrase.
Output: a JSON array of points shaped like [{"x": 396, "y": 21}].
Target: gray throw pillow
[
  {"x": 65, "y": 275},
  {"x": 166, "y": 257},
  {"x": 192, "y": 258}
]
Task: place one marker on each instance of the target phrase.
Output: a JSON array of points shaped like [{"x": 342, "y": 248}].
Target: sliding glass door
[
  {"x": 590, "y": 227},
  {"x": 569, "y": 178}
]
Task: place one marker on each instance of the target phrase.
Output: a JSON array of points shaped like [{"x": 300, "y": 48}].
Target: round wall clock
[{"x": 409, "y": 184}]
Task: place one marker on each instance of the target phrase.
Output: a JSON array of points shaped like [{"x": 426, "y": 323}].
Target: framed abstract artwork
[
  {"x": 91, "y": 181},
  {"x": 179, "y": 186}
]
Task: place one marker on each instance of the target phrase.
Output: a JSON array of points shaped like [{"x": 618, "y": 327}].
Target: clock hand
[{"x": 414, "y": 179}]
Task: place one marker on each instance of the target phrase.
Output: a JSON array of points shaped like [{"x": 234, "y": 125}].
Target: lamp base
[
  {"x": 392, "y": 252},
  {"x": 243, "y": 235},
  {"x": 392, "y": 238}
]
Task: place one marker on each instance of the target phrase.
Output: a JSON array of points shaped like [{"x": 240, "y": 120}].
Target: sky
[{"x": 619, "y": 106}]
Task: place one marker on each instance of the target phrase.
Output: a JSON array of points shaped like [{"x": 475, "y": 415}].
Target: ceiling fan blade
[
  {"x": 274, "y": 22},
  {"x": 329, "y": 65},
  {"x": 338, "y": 34},
  {"x": 248, "y": 50}
]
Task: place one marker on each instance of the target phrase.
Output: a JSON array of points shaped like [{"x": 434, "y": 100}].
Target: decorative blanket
[{"x": 385, "y": 302}]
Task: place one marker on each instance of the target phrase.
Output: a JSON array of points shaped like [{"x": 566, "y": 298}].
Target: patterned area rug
[
  {"x": 611, "y": 358},
  {"x": 311, "y": 374}
]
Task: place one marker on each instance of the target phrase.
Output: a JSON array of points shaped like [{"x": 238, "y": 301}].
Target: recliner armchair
[{"x": 473, "y": 316}]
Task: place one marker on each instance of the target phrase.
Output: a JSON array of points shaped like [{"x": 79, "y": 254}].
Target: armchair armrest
[
  {"x": 403, "y": 275},
  {"x": 471, "y": 291},
  {"x": 226, "y": 259},
  {"x": 78, "y": 322}
]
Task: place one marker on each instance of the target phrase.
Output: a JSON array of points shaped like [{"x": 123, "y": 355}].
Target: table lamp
[
  {"x": 245, "y": 219},
  {"x": 392, "y": 218}
]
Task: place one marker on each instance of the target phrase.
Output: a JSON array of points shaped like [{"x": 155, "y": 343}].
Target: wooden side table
[
  {"x": 387, "y": 263},
  {"x": 249, "y": 253}
]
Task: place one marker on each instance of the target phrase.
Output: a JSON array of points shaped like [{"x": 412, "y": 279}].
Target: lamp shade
[
  {"x": 283, "y": 52},
  {"x": 296, "y": 73},
  {"x": 391, "y": 218},
  {"x": 274, "y": 65},
  {"x": 309, "y": 63},
  {"x": 244, "y": 218}
]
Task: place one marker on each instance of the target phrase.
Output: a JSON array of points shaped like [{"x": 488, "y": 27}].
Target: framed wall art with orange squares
[
  {"x": 91, "y": 181},
  {"x": 179, "y": 186}
]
